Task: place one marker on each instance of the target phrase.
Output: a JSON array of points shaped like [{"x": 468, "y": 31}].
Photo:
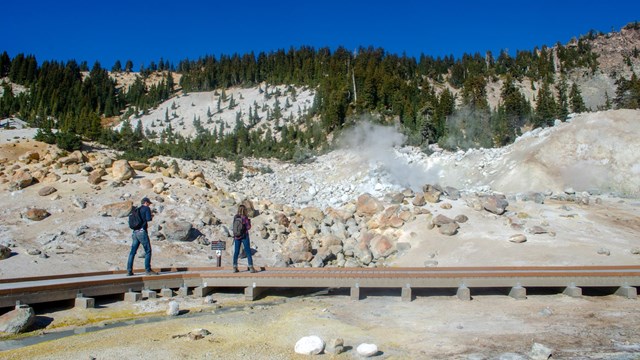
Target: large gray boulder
[
  {"x": 177, "y": 230},
  {"x": 17, "y": 320}
]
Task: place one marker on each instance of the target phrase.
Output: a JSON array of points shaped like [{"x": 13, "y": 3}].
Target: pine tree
[
  {"x": 546, "y": 107},
  {"x": 562, "y": 104},
  {"x": 577, "y": 103}
]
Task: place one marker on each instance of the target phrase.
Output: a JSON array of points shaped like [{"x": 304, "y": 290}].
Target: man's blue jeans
[
  {"x": 247, "y": 250},
  {"x": 140, "y": 237}
]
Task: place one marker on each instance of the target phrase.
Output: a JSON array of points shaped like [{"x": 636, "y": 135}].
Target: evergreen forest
[{"x": 78, "y": 101}]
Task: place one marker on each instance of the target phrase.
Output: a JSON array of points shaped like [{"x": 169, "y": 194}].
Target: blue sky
[{"x": 106, "y": 31}]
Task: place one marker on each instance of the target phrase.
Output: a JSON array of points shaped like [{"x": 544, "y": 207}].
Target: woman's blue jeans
[{"x": 247, "y": 250}]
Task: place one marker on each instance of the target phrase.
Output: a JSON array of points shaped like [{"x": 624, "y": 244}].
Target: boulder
[
  {"x": 119, "y": 209},
  {"x": 461, "y": 219},
  {"x": 367, "y": 205},
  {"x": 327, "y": 241},
  {"x": 419, "y": 200},
  {"x": 5, "y": 252},
  {"x": 449, "y": 229},
  {"x": 313, "y": 213},
  {"x": 173, "y": 309},
  {"x": 381, "y": 247},
  {"x": 518, "y": 238},
  {"x": 122, "y": 170},
  {"x": 146, "y": 184},
  {"x": 21, "y": 179},
  {"x": 540, "y": 352},
  {"x": 495, "y": 204},
  {"x": 282, "y": 219},
  {"x": 17, "y": 320},
  {"x": 335, "y": 346},
  {"x": 138, "y": 166},
  {"x": 95, "y": 177},
  {"x": 367, "y": 350},
  {"x": 442, "y": 220},
  {"x": 30, "y": 156},
  {"x": 47, "y": 190},
  {"x": 177, "y": 230},
  {"x": 309, "y": 345},
  {"x": 37, "y": 214},
  {"x": 192, "y": 175},
  {"x": 431, "y": 193}
]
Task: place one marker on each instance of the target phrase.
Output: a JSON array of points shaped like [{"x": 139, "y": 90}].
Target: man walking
[{"x": 141, "y": 237}]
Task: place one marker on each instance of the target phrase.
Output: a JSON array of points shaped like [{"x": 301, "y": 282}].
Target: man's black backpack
[
  {"x": 135, "y": 219},
  {"x": 239, "y": 227}
]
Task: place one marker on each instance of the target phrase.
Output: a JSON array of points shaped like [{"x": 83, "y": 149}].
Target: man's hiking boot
[
  {"x": 235, "y": 269},
  {"x": 129, "y": 273},
  {"x": 252, "y": 269},
  {"x": 150, "y": 273}
]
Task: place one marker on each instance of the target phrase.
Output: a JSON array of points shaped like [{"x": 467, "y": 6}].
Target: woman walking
[{"x": 241, "y": 227}]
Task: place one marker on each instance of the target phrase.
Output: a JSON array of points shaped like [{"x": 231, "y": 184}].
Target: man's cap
[{"x": 145, "y": 200}]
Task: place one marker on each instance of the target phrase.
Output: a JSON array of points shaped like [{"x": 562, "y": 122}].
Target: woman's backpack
[{"x": 239, "y": 227}]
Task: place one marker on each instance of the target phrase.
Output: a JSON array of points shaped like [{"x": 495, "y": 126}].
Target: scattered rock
[
  {"x": 495, "y": 204},
  {"x": 367, "y": 350},
  {"x": 635, "y": 251},
  {"x": 37, "y": 214},
  {"x": 21, "y": 179},
  {"x": 518, "y": 238},
  {"x": 309, "y": 345},
  {"x": 442, "y": 220},
  {"x": 446, "y": 206},
  {"x": 34, "y": 252},
  {"x": 95, "y": 177},
  {"x": 449, "y": 229},
  {"x": 79, "y": 203},
  {"x": 335, "y": 346},
  {"x": 17, "y": 320},
  {"x": 604, "y": 251},
  {"x": 540, "y": 352},
  {"x": 5, "y": 252},
  {"x": 198, "y": 334},
  {"x": 173, "y": 308},
  {"x": 461, "y": 219},
  {"x": 47, "y": 190},
  {"x": 119, "y": 209},
  {"x": 367, "y": 205}
]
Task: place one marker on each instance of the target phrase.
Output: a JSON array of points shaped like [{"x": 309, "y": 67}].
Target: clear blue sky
[{"x": 146, "y": 31}]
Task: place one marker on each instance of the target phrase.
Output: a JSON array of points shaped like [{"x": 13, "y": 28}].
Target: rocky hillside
[{"x": 556, "y": 196}]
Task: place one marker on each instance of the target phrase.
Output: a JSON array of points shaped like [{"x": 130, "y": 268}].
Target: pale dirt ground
[{"x": 434, "y": 326}]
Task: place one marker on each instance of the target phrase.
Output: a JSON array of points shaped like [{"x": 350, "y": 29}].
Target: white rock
[
  {"x": 309, "y": 345},
  {"x": 173, "y": 309},
  {"x": 367, "y": 350}
]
